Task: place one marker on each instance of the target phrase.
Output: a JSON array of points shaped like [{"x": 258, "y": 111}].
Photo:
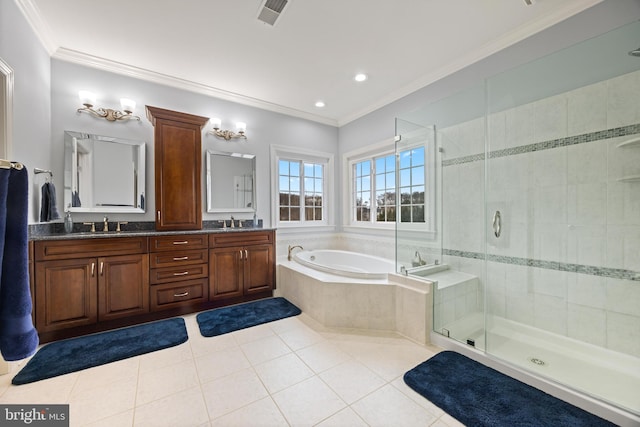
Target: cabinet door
[
  {"x": 225, "y": 273},
  {"x": 178, "y": 161},
  {"x": 258, "y": 268},
  {"x": 66, "y": 294},
  {"x": 123, "y": 286}
]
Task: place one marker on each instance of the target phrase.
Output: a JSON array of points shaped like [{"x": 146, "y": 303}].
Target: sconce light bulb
[
  {"x": 216, "y": 122},
  {"x": 241, "y": 127},
  {"x": 128, "y": 105},
  {"x": 87, "y": 98}
]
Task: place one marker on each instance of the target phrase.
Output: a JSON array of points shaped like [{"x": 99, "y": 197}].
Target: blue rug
[
  {"x": 228, "y": 319},
  {"x": 477, "y": 395},
  {"x": 75, "y": 354}
]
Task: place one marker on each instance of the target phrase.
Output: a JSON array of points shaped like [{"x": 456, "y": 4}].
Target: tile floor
[{"x": 291, "y": 372}]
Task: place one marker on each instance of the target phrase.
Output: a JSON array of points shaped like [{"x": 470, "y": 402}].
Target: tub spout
[{"x": 291, "y": 248}]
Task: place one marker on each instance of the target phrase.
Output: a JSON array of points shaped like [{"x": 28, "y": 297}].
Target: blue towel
[
  {"x": 18, "y": 337},
  {"x": 48, "y": 208}
]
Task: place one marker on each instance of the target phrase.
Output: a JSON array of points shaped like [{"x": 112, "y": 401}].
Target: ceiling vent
[{"x": 270, "y": 11}]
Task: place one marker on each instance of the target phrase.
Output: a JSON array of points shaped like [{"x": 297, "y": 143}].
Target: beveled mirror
[
  {"x": 230, "y": 182},
  {"x": 103, "y": 174}
]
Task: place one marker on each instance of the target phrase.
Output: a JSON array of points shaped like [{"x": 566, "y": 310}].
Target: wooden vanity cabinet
[
  {"x": 240, "y": 264},
  {"x": 82, "y": 282},
  {"x": 178, "y": 166},
  {"x": 179, "y": 270}
]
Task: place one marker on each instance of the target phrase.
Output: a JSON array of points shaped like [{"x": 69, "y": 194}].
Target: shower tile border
[
  {"x": 614, "y": 273},
  {"x": 547, "y": 145}
]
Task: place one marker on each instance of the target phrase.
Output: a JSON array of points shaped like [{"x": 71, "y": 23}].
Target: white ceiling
[{"x": 312, "y": 53}]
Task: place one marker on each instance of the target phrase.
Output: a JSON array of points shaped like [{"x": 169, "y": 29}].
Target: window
[
  {"x": 300, "y": 181},
  {"x": 376, "y": 181},
  {"x": 302, "y": 185}
]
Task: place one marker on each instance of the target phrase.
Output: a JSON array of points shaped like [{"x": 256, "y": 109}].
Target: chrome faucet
[
  {"x": 291, "y": 248},
  {"x": 106, "y": 224},
  {"x": 417, "y": 260}
]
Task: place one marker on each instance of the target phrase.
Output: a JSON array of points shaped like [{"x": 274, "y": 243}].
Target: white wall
[
  {"x": 263, "y": 128},
  {"x": 22, "y": 51}
]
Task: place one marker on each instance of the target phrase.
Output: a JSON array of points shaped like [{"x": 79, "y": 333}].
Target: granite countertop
[{"x": 55, "y": 231}]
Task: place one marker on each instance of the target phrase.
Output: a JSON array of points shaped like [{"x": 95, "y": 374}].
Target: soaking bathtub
[{"x": 342, "y": 289}]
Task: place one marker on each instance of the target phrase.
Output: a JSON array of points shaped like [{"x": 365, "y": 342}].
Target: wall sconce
[
  {"x": 88, "y": 99},
  {"x": 241, "y": 128}
]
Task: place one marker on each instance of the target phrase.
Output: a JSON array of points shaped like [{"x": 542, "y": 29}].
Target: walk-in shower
[{"x": 536, "y": 193}]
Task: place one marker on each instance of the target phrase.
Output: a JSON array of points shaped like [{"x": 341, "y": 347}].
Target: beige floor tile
[
  {"x": 232, "y": 392},
  {"x": 52, "y": 390},
  {"x": 169, "y": 356},
  {"x": 153, "y": 385},
  {"x": 244, "y": 336},
  {"x": 416, "y": 397},
  {"x": 309, "y": 402},
  {"x": 123, "y": 419},
  {"x": 345, "y": 418},
  {"x": 185, "y": 408},
  {"x": 120, "y": 371},
  {"x": 262, "y": 413},
  {"x": 388, "y": 407},
  {"x": 282, "y": 372},
  {"x": 102, "y": 402},
  {"x": 264, "y": 349},
  {"x": 201, "y": 346},
  {"x": 299, "y": 338},
  {"x": 352, "y": 380},
  {"x": 322, "y": 356},
  {"x": 221, "y": 363}
]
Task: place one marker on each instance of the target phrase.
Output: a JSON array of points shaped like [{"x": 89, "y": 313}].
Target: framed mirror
[
  {"x": 230, "y": 182},
  {"x": 103, "y": 174}
]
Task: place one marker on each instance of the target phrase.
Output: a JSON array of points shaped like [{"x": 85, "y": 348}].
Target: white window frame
[
  {"x": 381, "y": 149},
  {"x": 280, "y": 152}
]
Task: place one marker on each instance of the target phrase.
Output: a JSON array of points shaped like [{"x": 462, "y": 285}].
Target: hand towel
[
  {"x": 48, "y": 208},
  {"x": 18, "y": 337}
]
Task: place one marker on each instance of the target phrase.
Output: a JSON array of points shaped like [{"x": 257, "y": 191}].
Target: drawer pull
[
  {"x": 93, "y": 269},
  {"x": 183, "y": 242},
  {"x": 180, "y": 258},
  {"x": 184, "y": 294},
  {"x": 184, "y": 273}
]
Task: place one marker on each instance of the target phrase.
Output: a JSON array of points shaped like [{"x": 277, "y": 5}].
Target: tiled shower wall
[{"x": 568, "y": 258}]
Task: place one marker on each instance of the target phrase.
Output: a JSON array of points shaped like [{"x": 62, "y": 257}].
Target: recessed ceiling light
[
  {"x": 360, "y": 77},
  {"x": 320, "y": 104}
]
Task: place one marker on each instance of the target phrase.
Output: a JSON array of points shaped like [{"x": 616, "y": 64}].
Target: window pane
[
  {"x": 294, "y": 184},
  {"x": 283, "y": 167},
  {"x": 417, "y": 175},
  {"x": 295, "y": 214},
  {"x": 284, "y": 214}
]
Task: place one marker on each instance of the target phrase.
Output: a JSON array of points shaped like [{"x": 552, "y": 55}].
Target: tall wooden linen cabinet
[{"x": 178, "y": 166}]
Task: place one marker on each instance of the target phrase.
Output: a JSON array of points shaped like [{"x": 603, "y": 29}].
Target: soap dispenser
[{"x": 68, "y": 221}]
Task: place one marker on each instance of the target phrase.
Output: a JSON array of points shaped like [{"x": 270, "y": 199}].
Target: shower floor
[{"x": 598, "y": 372}]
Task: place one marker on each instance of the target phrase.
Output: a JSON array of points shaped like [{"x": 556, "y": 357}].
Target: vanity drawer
[
  {"x": 244, "y": 238},
  {"x": 175, "y": 258},
  {"x": 178, "y": 273},
  {"x": 46, "y": 250},
  {"x": 178, "y": 242},
  {"x": 175, "y": 294}
]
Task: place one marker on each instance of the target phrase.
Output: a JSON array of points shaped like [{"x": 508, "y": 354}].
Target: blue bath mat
[
  {"x": 477, "y": 395},
  {"x": 75, "y": 354},
  {"x": 228, "y": 319}
]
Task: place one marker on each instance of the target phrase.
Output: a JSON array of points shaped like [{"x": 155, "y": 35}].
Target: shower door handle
[{"x": 497, "y": 223}]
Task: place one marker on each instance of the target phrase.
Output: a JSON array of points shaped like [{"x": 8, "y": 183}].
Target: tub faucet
[
  {"x": 417, "y": 260},
  {"x": 291, "y": 248}
]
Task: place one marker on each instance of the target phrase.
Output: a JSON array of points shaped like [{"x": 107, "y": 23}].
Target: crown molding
[
  {"x": 509, "y": 39},
  {"x": 40, "y": 27},
  {"x": 166, "y": 80}
]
